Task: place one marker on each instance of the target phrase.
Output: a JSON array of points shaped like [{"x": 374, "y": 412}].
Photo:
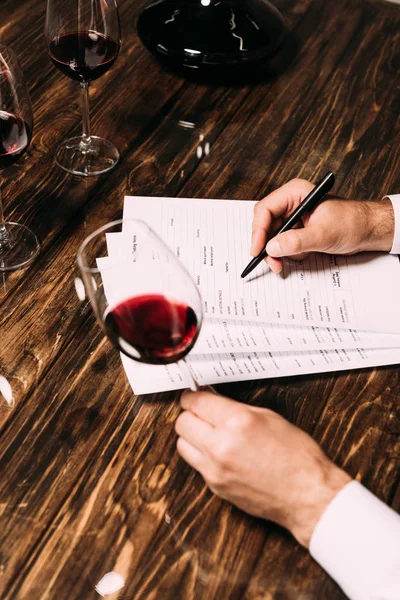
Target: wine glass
[
  {"x": 143, "y": 297},
  {"x": 83, "y": 40},
  {"x": 18, "y": 244}
]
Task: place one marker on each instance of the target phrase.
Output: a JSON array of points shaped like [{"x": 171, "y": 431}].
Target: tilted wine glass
[
  {"x": 18, "y": 244},
  {"x": 83, "y": 40},
  {"x": 143, "y": 297}
]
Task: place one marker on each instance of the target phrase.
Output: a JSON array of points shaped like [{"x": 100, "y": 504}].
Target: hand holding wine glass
[
  {"x": 18, "y": 244},
  {"x": 143, "y": 297},
  {"x": 83, "y": 41}
]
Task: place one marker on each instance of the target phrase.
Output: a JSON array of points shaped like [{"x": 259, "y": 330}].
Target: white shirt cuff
[
  {"x": 357, "y": 541},
  {"x": 395, "y": 200}
]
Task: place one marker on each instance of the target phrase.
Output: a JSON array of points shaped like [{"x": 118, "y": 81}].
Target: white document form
[
  {"x": 212, "y": 238},
  {"x": 323, "y": 314}
]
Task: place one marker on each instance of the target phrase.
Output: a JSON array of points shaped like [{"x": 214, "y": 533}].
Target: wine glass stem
[
  {"x": 85, "y": 113},
  {"x": 4, "y": 237},
  {"x": 191, "y": 381}
]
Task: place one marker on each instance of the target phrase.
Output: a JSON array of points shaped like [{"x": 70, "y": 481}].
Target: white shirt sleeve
[
  {"x": 357, "y": 541},
  {"x": 395, "y": 200}
]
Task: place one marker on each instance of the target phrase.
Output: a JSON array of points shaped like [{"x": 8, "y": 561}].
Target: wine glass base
[
  {"x": 87, "y": 158},
  {"x": 18, "y": 247}
]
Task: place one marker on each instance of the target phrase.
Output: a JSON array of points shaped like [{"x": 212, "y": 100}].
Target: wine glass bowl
[
  {"x": 83, "y": 56},
  {"x": 18, "y": 244},
  {"x": 152, "y": 328},
  {"x": 143, "y": 297},
  {"x": 83, "y": 39}
]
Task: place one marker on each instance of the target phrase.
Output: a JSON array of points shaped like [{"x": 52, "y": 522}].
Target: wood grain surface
[{"x": 90, "y": 478}]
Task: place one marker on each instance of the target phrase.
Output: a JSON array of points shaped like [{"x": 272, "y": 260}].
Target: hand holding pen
[
  {"x": 292, "y": 204},
  {"x": 335, "y": 226}
]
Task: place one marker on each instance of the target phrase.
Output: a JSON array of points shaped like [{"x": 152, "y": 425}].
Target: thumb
[{"x": 297, "y": 241}]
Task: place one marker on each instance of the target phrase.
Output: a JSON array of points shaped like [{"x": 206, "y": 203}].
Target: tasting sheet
[{"x": 326, "y": 313}]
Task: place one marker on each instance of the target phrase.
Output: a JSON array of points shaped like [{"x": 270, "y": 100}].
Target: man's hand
[
  {"x": 336, "y": 226},
  {"x": 258, "y": 461}
]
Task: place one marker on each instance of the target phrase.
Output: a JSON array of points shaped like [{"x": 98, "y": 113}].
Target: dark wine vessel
[{"x": 212, "y": 37}]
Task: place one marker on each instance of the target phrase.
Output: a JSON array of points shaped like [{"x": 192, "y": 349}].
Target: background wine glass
[
  {"x": 145, "y": 300},
  {"x": 83, "y": 40},
  {"x": 18, "y": 244}
]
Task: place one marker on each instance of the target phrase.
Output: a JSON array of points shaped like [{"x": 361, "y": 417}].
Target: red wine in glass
[
  {"x": 83, "y": 56},
  {"x": 15, "y": 136},
  {"x": 145, "y": 300},
  {"x": 152, "y": 328}
]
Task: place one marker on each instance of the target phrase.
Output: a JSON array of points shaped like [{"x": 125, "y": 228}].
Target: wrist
[
  {"x": 320, "y": 493},
  {"x": 380, "y": 226}
]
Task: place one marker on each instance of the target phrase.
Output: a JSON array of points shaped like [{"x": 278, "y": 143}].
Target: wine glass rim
[
  {"x": 86, "y": 269},
  {"x": 80, "y": 255},
  {"x": 12, "y": 52}
]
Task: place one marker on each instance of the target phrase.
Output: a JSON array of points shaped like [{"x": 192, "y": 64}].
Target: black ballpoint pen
[{"x": 314, "y": 197}]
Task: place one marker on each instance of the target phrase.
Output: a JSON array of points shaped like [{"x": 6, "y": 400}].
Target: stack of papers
[{"x": 326, "y": 313}]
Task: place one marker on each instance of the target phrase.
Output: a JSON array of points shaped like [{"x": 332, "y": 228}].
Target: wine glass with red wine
[
  {"x": 83, "y": 40},
  {"x": 18, "y": 244},
  {"x": 143, "y": 297}
]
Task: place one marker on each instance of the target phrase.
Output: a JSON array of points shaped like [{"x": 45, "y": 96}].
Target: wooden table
[{"x": 90, "y": 478}]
